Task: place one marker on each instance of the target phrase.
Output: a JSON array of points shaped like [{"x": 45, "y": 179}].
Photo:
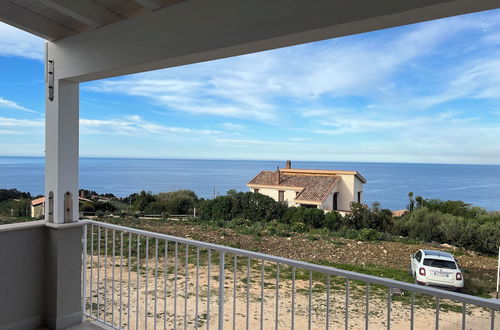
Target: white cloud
[
  {"x": 135, "y": 126},
  {"x": 21, "y": 123},
  {"x": 4, "y": 103},
  {"x": 234, "y": 127},
  {"x": 15, "y": 42}
]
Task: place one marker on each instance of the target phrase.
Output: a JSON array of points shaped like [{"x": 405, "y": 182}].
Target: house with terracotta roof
[
  {"x": 38, "y": 206},
  {"x": 324, "y": 189}
]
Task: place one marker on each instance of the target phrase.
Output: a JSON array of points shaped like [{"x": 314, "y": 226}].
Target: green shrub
[
  {"x": 367, "y": 234},
  {"x": 16, "y": 208},
  {"x": 11, "y": 194},
  {"x": 256, "y": 207},
  {"x": 333, "y": 220},
  {"x": 298, "y": 227},
  {"x": 310, "y": 217},
  {"x": 362, "y": 216},
  {"x": 87, "y": 207},
  {"x": 457, "y": 208}
]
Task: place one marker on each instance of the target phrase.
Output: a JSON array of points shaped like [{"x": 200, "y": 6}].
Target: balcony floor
[{"x": 84, "y": 326}]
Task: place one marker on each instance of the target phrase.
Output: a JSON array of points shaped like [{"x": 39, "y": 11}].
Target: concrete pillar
[
  {"x": 61, "y": 146},
  {"x": 63, "y": 241},
  {"x": 63, "y": 252}
]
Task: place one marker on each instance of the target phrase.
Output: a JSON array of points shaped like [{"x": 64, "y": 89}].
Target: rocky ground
[{"x": 480, "y": 271}]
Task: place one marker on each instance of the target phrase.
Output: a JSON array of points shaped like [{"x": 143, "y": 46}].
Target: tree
[
  {"x": 411, "y": 206},
  {"x": 142, "y": 200}
]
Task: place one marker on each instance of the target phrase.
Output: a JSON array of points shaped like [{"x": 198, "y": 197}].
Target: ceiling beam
[
  {"x": 24, "y": 19},
  {"x": 85, "y": 11},
  {"x": 150, "y": 4},
  {"x": 199, "y": 30}
]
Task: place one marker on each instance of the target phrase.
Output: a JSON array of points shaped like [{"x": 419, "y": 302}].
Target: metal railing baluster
[
  {"x": 138, "y": 275},
  {"x": 293, "y": 299},
  {"x": 146, "y": 280},
  {"x": 84, "y": 273},
  {"x": 197, "y": 286},
  {"x": 208, "y": 287},
  {"x": 186, "y": 286},
  {"x": 129, "y": 282},
  {"x": 437, "y": 313},
  {"x": 276, "y": 317},
  {"x": 262, "y": 295},
  {"x": 156, "y": 285},
  {"x": 247, "y": 319},
  {"x": 412, "y": 310},
  {"x": 389, "y": 303},
  {"x": 346, "y": 304},
  {"x": 165, "y": 273},
  {"x": 327, "y": 325},
  {"x": 221, "y": 289},
  {"x": 463, "y": 315},
  {"x": 309, "y": 304},
  {"x": 235, "y": 269},
  {"x": 105, "y": 273},
  {"x": 176, "y": 262},
  {"x": 367, "y": 306},
  {"x": 91, "y": 268},
  {"x": 98, "y": 271},
  {"x": 121, "y": 280},
  {"x": 113, "y": 279}
]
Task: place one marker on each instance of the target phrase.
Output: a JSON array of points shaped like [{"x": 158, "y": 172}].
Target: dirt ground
[
  {"x": 341, "y": 251},
  {"x": 159, "y": 299}
]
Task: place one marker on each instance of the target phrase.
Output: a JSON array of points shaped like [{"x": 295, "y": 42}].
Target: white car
[{"x": 436, "y": 268}]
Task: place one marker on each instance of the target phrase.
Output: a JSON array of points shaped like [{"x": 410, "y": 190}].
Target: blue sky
[{"x": 427, "y": 92}]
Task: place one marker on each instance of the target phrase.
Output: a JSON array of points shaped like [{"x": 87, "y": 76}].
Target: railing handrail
[{"x": 490, "y": 303}]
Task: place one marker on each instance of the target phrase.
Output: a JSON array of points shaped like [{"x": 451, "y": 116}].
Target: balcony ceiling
[
  {"x": 57, "y": 19},
  {"x": 95, "y": 39}
]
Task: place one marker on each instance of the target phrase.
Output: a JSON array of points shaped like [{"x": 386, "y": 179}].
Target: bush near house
[
  {"x": 256, "y": 207},
  {"x": 16, "y": 207},
  {"x": 175, "y": 202}
]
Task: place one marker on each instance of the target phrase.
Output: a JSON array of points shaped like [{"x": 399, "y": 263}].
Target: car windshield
[{"x": 440, "y": 263}]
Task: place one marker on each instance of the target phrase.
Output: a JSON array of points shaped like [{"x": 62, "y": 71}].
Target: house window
[
  {"x": 256, "y": 191},
  {"x": 281, "y": 196},
  {"x": 359, "y": 196},
  {"x": 335, "y": 201}
]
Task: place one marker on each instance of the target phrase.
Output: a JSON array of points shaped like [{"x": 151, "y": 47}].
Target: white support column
[{"x": 61, "y": 147}]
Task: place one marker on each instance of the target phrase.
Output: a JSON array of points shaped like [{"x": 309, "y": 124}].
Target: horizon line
[{"x": 264, "y": 160}]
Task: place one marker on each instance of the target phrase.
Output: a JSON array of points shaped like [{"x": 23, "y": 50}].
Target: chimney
[
  {"x": 288, "y": 164},
  {"x": 279, "y": 175}
]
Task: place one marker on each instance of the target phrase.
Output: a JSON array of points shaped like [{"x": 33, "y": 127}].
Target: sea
[{"x": 387, "y": 183}]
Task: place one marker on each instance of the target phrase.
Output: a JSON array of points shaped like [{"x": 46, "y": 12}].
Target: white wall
[
  {"x": 274, "y": 193},
  {"x": 327, "y": 204},
  {"x": 348, "y": 188},
  {"x": 358, "y": 186}
]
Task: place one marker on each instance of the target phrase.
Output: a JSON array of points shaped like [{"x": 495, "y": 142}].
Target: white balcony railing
[{"x": 134, "y": 279}]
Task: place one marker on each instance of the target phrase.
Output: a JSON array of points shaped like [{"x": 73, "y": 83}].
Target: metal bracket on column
[{"x": 50, "y": 82}]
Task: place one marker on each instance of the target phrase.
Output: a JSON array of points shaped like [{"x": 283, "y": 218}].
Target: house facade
[
  {"x": 38, "y": 206},
  {"x": 324, "y": 189}
]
